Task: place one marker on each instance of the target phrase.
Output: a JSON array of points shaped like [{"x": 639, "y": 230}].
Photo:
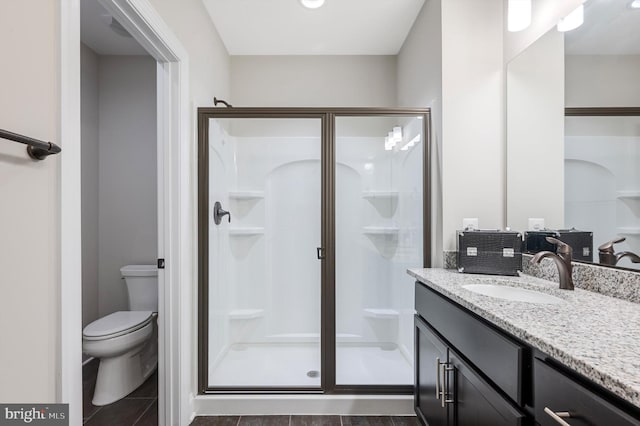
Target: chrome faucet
[
  {"x": 608, "y": 257},
  {"x": 562, "y": 259}
]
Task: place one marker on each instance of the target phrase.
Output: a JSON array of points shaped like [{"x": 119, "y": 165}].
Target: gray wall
[
  {"x": 30, "y": 193},
  {"x": 420, "y": 85},
  {"x": 127, "y": 218},
  {"x": 89, "y": 148},
  {"x": 313, "y": 81}
]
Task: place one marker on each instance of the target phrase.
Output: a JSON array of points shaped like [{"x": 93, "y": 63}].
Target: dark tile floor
[
  {"x": 139, "y": 408},
  {"x": 306, "y": 421}
]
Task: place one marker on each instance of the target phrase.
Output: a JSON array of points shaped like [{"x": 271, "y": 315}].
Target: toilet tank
[{"x": 142, "y": 286}]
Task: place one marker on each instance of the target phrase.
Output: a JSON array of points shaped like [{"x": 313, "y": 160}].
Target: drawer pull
[{"x": 557, "y": 416}]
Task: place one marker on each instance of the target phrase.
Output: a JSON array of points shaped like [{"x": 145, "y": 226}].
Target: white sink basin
[{"x": 512, "y": 293}]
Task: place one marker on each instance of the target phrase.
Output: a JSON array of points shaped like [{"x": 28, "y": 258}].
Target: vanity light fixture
[
  {"x": 411, "y": 143},
  {"x": 518, "y": 15},
  {"x": 388, "y": 146},
  {"x": 392, "y": 138},
  {"x": 312, "y": 4},
  {"x": 572, "y": 20},
  {"x": 397, "y": 134}
]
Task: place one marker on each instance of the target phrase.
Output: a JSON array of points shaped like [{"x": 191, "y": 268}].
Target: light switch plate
[
  {"x": 536, "y": 223},
  {"x": 470, "y": 223}
]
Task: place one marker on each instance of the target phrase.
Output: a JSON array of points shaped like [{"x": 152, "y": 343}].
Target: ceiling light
[
  {"x": 518, "y": 15},
  {"x": 312, "y": 4},
  {"x": 572, "y": 20},
  {"x": 635, "y": 4}
]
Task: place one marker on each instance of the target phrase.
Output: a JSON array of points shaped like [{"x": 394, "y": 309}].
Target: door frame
[
  {"x": 328, "y": 117},
  {"x": 175, "y": 207}
]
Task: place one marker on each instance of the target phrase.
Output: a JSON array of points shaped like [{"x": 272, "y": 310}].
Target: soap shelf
[
  {"x": 245, "y": 314},
  {"x": 629, "y": 194},
  {"x": 379, "y": 194},
  {"x": 628, "y": 230},
  {"x": 246, "y": 195},
  {"x": 381, "y": 313},
  {"x": 246, "y": 231},
  {"x": 380, "y": 230}
]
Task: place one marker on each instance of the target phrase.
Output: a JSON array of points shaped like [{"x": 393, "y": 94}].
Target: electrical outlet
[
  {"x": 536, "y": 224},
  {"x": 470, "y": 223}
]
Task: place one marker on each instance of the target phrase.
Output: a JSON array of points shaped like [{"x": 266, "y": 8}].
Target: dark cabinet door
[
  {"x": 475, "y": 401},
  {"x": 430, "y": 354}
]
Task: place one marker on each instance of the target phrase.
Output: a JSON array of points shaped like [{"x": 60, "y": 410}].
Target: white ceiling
[
  {"x": 98, "y": 35},
  {"x": 340, "y": 27},
  {"x": 610, "y": 28}
]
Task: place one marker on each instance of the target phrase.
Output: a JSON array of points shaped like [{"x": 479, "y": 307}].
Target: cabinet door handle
[
  {"x": 438, "y": 378},
  {"x": 444, "y": 393},
  {"x": 558, "y": 415}
]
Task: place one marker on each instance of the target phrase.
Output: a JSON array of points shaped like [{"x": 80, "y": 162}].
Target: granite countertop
[{"x": 595, "y": 335}]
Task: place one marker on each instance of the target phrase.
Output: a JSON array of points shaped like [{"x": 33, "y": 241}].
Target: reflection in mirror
[
  {"x": 581, "y": 172},
  {"x": 602, "y": 182}
]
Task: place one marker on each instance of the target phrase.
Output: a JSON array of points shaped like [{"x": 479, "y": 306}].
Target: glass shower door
[
  {"x": 379, "y": 234},
  {"x": 264, "y": 276}
]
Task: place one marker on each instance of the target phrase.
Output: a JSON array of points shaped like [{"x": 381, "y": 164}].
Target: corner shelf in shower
[
  {"x": 379, "y": 194},
  {"x": 629, "y": 194},
  {"x": 246, "y": 195},
  {"x": 381, "y": 313},
  {"x": 245, "y": 314},
  {"x": 628, "y": 230},
  {"x": 246, "y": 231},
  {"x": 380, "y": 230}
]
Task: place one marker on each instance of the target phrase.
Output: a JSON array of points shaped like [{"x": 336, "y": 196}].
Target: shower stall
[{"x": 308, "y": 220}]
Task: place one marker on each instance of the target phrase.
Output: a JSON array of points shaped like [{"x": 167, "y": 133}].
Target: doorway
[
  {"x": 174, "y": 158},
  {"x": 308, "y": 220}
]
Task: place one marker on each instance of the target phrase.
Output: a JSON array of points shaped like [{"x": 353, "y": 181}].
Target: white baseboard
[{"x": 228, "y": 405}]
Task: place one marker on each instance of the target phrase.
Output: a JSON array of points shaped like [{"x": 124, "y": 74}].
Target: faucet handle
[
  {"x": 563, "y": 248},
  {"x": 608, "y": 246}
]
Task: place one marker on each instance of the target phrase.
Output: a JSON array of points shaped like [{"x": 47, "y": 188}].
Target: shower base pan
[{"x": 298, "y": 365}]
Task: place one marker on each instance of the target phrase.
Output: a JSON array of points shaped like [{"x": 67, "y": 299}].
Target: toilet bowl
[{"x": 126, "y": 341}]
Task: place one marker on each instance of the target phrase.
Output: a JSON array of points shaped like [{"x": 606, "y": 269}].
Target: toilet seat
[{"x": 116, "y": 324}]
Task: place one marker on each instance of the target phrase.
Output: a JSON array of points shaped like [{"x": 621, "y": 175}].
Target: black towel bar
[{"x": 38, "y": 150}]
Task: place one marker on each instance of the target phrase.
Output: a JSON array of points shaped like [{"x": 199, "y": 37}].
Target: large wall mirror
[{"x": 573, "y": 130}]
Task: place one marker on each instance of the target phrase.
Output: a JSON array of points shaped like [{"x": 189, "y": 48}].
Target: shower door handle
[
  {"x": 219, "y": 213},
  {"x": 320, "y": 253}
]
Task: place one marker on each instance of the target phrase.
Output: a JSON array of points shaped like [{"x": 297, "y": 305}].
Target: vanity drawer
[
  {"x": 500, "y": 358},
  {"x": 559, "y": 393}
]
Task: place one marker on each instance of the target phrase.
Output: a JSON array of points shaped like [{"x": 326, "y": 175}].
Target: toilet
[{"x": 126, "y": 341}]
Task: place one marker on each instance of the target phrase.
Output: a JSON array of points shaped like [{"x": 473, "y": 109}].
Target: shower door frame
[{"x": 327, "y": 117}]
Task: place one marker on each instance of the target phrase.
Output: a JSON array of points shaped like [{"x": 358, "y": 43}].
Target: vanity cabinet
[
  {"x": 469, "y": 372},
  {"x": 449, "y": 392},
  {"x": 449, "y": 389}
]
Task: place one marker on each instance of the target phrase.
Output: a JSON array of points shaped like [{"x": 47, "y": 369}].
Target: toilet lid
[{"x": 117, "y": 323}]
